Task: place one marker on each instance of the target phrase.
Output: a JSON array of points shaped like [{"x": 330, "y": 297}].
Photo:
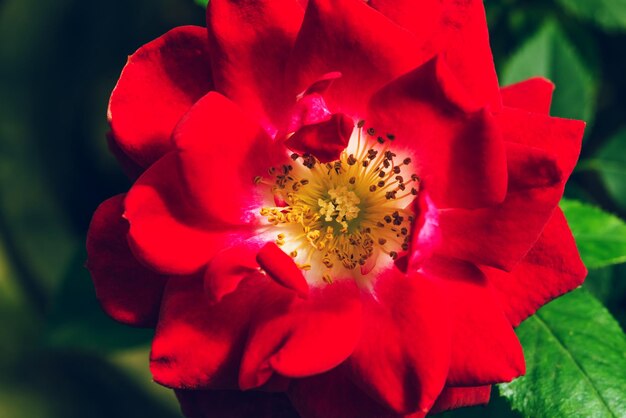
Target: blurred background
[{"x": 60, "y": 356}]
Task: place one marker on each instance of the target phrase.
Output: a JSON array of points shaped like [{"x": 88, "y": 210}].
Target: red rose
[{"x": 339, "y": 211}]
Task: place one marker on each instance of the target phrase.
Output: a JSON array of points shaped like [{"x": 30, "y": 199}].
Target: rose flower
[{"x": 337, "y": 211}]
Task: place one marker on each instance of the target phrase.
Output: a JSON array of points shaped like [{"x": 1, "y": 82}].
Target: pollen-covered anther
[{"x": 335, "y": 218}]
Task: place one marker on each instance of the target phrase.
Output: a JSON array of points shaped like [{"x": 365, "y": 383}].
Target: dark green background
[{"x": 60, "y": 356}]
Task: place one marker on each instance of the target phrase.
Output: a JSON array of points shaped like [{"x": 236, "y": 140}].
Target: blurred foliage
[{"x": 61, "y": 357}]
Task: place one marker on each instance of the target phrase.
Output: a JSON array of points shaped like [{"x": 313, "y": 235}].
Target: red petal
[
  {"x": 160, "y": 82},
  {"x": 229, "y": 267},
  {"x": 458, "y": 31},
  {"x": 561, "y": 138},
  {"x": 333, "y": 395},
  {"x": 457, "y": 397},
  {"x": 199, "y": 344},
  {"x": 220, "y": 152},
  {"x": 296, "y": 337},
  {"x": 117, "y": 275},
  {"x": 552, "y": 268},
  {"x": 485, "y": 349},
  {"x": 250, "y": 43},
  {"x": 533, "y": 95},
  {"x": 325, "y": 140},
  {"x": 457, "y": 147},
  {"x": 468, "y": 53},
  {"x": 540, "y": 150},
  {"x": 234, "y": 404},
  {"x": 162, "y": 231},
  {"x": 403, "y": 357},
  {"x": 424, "y": 20},
  {"x": 280, "y": 267},
  {"x": 350, "y": 37}
]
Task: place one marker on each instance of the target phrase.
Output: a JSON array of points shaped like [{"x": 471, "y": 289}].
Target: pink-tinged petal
[
  {"x": 561, "y": 138},
  {"x": 199, "y": 344},
  {"x": 541, "y": 153},
  {"x": 403, "y": 356},
  {"x": 311, "y": 107},
  {"x": 333, "y": 395},
  {"x": 234, "y": 404},
  {"x": 533, "y": 95},
  {"x": 160, "y": 82},
  {"x": 117, "y": 275},
  {"x": 458, "y": 397},
  {"x": 457, "y": 148},
  {"x": 162, "y": 232},
  {"x": 282, "y": 269},
  {"x": 458, "y": 31},
  {"x": 324, "y": 140},
  {"x": 338, "y": 35},
  {"x": 220, "y": 152},
  {"x": 250, "y": 42},
  {"x": 485, "y": 349},
  {"x": 300, "y": 337},
  {"x": 552, "y": 268},
  {"x": 425, "y": 234}
]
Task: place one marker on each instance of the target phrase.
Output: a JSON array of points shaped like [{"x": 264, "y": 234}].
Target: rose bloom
[{"x": 336, "y": 212}]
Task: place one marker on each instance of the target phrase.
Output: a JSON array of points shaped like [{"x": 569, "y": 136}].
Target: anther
[
  {"x": 372, "y": 188},
  {"x": 371, "y": 131},
  {"x": 406, "y": 161},
  {"x": 295, "y": 156},
  {"x": 382, "y": 241}
]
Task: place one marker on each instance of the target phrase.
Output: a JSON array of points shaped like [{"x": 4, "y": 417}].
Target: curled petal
[
  {"x": 199, "y": 344},
  {"x": 532, "y": 95},
  {"x": 339, "y": 36},
  {"x": 485, "y": 349},
  {"x": 117, "y": 275},
  {"x": 159, "y": 83},
  {"x": 551, "y": 268},
  {"x": 162, "y": 232},
  {"x": 220, "y": 152},
  {"x": 296, "y": 337},
  {"x": 325, "y": 140},
  {"x": 541, "y": 153},
  {"x": 457, "y": 30},
  {"x": 456, "y": 145},
  {"x": 280, "y": 267},
  {"x": 250, "y": 42},
  {"x": 403, "y": 356}
]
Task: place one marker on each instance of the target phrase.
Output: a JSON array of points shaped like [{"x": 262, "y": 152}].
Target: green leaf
[
  {"x": 550, "y": 54},
  {"x": 610, "y": 14},
  {"x": 600, "y": 236},
  {"x": 575, "y": 362},
  {"x": 202, "y": 3},
  {"x": 610, "y": 163}
]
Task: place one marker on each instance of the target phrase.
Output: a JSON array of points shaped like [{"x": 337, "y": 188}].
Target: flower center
[{"x": 336, "y": 219}]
